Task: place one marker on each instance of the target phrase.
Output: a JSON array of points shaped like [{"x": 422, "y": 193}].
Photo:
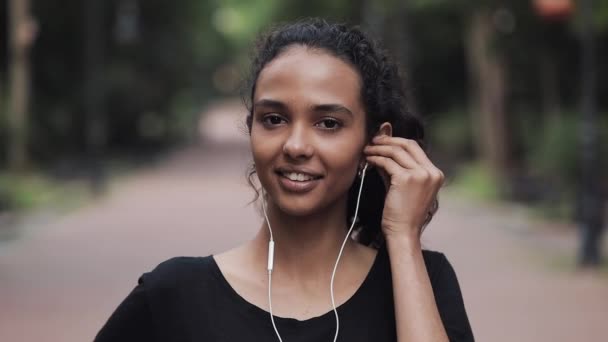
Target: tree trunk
[
  {"x": 21, "y": 32},
  {"x": 95, "y": 130},
  {"x": 488, "y": 75},
  {"x": 399, "y": 38}
]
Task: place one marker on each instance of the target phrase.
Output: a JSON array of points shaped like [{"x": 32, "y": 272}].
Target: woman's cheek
[{"x": 343, "y": 162}]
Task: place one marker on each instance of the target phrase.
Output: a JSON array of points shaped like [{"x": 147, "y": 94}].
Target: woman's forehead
[{"x": 302, "y": 72}]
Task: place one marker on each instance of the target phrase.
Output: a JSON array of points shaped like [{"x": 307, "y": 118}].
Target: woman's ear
[{"x": 385, "y": 129}]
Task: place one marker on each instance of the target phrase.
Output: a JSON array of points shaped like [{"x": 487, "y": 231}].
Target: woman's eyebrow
[
  {"x": 321, "y": 108},
  {"x": 331, "y": 108},
  {"x": 270, "y": 104}
]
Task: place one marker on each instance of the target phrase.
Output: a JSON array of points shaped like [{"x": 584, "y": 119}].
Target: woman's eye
[
  {"x": 272, "y": 119},
  {"x": 331, "y": 124}
]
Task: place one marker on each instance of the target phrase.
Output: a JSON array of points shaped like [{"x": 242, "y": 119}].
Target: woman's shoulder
[
  {"x": 438, "y": 266},
  {"x": 433, "y": 257},
  {"x": 177, "y": 270}
]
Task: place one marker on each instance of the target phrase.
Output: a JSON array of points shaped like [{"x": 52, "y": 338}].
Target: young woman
[{"x": 334, "y": 149}]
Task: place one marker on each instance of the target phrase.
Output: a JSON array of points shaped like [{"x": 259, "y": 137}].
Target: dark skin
[{"x": 308, "y": 113}]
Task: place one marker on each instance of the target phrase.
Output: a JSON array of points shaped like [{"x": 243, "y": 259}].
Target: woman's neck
[{"x": 305, "y": 248}]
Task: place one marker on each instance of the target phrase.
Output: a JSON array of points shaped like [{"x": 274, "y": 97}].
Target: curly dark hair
[{"x": 382, "y": 92}]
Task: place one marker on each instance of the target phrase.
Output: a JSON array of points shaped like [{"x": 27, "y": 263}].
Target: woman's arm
[
  {"x": 412, "y": 183},
  {"x": 416, "y": 314}
]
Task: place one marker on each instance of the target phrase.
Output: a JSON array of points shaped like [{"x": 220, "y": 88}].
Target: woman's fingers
[
  {"x": 406, "y": 147},
  {"x": 385, "y": 163},
  {"x": 409, "y": 145},
  {"x": 397, "y": 153}
]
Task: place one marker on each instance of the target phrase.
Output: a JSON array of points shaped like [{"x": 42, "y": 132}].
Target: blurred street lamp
[
  {"x": 591, "y": 196},
  {"x": 592, "y": 206}
]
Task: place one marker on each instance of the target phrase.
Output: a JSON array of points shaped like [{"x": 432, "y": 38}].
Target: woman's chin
[
  {"x": 298, "y": 208},
  {"x": 302, "y": 203}
]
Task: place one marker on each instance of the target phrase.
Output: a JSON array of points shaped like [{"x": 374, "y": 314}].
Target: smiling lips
[
  {"x": 300, "y": 177},
  {"x": 297, "y": 181}
]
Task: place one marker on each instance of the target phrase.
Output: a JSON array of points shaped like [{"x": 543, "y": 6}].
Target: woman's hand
[{"x": 412, "y": 183}]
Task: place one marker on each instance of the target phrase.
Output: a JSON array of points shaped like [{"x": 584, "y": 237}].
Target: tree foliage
[{"x": 156, "y": 79}]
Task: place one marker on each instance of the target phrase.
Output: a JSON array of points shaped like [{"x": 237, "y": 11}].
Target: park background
[{"x": 121, "y": 133}]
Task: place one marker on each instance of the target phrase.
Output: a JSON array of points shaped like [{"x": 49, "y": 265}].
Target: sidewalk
[
  {"x": 517, "y": 278},
  {"x": 61, "y": 282}
]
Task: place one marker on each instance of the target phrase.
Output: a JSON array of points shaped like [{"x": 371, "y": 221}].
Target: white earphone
[{"x": 271, "y": 259}]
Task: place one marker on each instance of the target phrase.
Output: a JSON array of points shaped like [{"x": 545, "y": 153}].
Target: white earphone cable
[
  {"x": 270, "y": 266},
  {"x": 333, "y": 274},
  {"x": 271, "y": 260}
]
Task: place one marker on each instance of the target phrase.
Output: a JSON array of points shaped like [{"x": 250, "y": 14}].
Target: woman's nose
[{"x": 297, "y": 144}]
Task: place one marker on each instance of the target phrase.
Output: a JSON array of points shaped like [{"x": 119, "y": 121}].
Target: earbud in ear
[{"x": 362, "y": 169}]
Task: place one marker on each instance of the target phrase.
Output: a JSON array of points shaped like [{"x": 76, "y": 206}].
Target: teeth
[{"x": 300, "y": 177}]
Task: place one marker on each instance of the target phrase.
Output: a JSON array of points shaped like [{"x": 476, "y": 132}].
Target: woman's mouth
[{"x": 297, "y": 182}]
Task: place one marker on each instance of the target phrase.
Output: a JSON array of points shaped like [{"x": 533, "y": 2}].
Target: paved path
[{"x": 62, "y": 279}]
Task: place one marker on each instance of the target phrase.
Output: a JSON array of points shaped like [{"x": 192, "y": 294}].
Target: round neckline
[{"x": 289, "y": 321}]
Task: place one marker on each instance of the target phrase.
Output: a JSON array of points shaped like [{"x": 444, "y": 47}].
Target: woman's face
[{"x": 307, "y": 118}]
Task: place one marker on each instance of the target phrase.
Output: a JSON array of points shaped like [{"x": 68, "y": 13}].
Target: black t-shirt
[{"x": 188, "y": 299}]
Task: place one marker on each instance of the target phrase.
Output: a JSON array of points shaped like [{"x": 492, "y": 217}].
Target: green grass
[
  {"x": 30, "y": 191},
  {"x": 567, "y": 263},
  {"x": 476, "y": 182}
]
